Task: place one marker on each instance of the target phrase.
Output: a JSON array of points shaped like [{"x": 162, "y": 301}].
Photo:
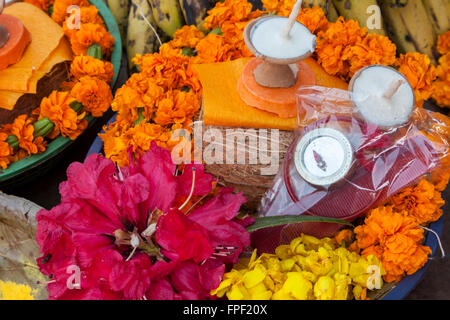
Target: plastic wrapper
[{"x": 340, "y": 165}]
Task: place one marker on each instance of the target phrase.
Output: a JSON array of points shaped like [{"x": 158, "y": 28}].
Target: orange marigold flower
[
  {"x": 334, "y": 46},
  {"x": 416, "y": 67},
  {"x": 142, "y": 135},
  {"x": 227, "y": 11},
  {"x": 344, "y": 237},
  {"x": 115, "y": 143},
  {"x": 187, "y": 36},
  {"x": 94, "y": 94},
  {"x": 86, "y": 15},
  {"x": 214, "y": 48},
  {"x": 177, "y": 107},
  {"x": 422, "y": 202},
  {"x": 395, "y": 239},
  {"x": 89, "y": 66},
  {"x": 5, "y": 150},
  {"x": 89, "y": 34},
  {"x": 23, "y": 129},
  {"x": 281, "y": 7},
  {"x": 60, "y": 8},
  {"x": 373, "y": 49},
  {"x": 440, "y": 179},
  {"x": 441, "y": 87},
  {"x": 67, "y": 122},
  {"x": 41, "y": 4},
  {"x": 314, "y": 19},
  {"x": 443, "y": 43}
]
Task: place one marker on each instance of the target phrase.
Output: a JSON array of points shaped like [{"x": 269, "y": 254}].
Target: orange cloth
[
  {"x": 222, "y": 105},
  {"x": 62, "y": 53},
  {"x": 45, "y": 37}
]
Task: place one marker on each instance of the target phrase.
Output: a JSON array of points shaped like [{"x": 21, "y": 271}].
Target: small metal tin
[{"x": 324, "y": 156}]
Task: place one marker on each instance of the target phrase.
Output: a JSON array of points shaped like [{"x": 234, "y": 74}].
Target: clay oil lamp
[
  {"x": 382, "y": 96},
  {"x": 280, "y": 45},
  {"x": 14, "y": 38}
]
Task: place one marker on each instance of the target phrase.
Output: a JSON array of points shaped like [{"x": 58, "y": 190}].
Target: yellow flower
[
  {"x": 13, "y": 291},
  {"x": 296, "y": 287},
  {"x": 325, "y": 288}
]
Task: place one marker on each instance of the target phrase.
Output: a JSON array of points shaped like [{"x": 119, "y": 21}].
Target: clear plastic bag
[{"x": 340, "y": 165}]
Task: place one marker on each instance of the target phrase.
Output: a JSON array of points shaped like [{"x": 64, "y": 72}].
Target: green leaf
[
  {"x": 188, "y": 52},
  {"x": 267, "y": 222}
]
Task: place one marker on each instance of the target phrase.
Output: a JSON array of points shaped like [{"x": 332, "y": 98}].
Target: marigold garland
[
  {"x": 88, "y": 86},
  {"x": 441, "y": 87}
]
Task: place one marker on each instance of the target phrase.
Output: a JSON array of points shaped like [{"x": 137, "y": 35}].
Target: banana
[
  {"x": 257, "y": 4},
  {"x": 332, "y": 14},
  {"x": 366, "y": 12},
  {"x": 141, "y": 38},
  {"x": 320, "y": 3},
  {"x": 120, "y": 9},
  {"x": 397, "y": 3},
  {"x": 415, "y": 19},
  {"x": 195, "y": 11},
  {"x": 395, "y": 28},
  {"x": 437, "y": 14},
  {"x": 168, "y": 15}
]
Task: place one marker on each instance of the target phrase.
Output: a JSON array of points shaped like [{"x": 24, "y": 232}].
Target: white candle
[
  {"x": 268, "y": 39},
  {"x": 382, "y": 96},
  {"x": 323, "y": 156}
]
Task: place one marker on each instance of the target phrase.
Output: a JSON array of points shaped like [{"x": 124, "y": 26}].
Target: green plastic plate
[{"x": 20, "y": 168}]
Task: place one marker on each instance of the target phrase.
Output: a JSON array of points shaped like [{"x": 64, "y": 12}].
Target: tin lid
[{"x": 323, "y": 156}]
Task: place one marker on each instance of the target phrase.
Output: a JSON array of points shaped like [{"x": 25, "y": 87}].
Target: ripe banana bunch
[
  {"x": 142, "y": 33},
  {"x": 320, "y": 3},
  {"x": 366, "y": 12},
  {"x": 120, "y": 9},
  {"x": 195, "y": 11},
  {"x": 168, "y": 15},
  {"x": 410, "y": 27},
  {"x": 439, "y": 14}
]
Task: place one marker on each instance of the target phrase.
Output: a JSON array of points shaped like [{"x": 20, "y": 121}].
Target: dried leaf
[{"x": 18, "y": 247}]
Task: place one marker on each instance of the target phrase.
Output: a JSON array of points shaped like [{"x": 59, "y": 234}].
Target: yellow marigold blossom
[
  {"x": 13, "y": 291},
  {"x": 89, "y": 66},
  {"x": 307, "y": 268},
  {"x": 443, "y": 43},
  {"x": 422, "y": 202},
  {"x": 115, "y": 143},
  {"x": 214, "y": 48},
  {"x": 395, "y": 239},
  {"x": 419, "y": 71}
]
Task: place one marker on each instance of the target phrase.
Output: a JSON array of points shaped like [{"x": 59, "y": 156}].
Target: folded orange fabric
[
  {"x": 62, "y": 53},
  {"x": 45, "y": 37},
  {"x": 222, "y": 105}
]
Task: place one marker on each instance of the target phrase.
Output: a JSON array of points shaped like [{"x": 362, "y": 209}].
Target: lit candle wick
[
  {"x": 292, "y": 18},
  {"x": 393, "y": 88}
]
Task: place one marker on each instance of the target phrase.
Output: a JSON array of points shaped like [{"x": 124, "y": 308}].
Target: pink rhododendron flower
[{"x": 118, "y": 232}]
